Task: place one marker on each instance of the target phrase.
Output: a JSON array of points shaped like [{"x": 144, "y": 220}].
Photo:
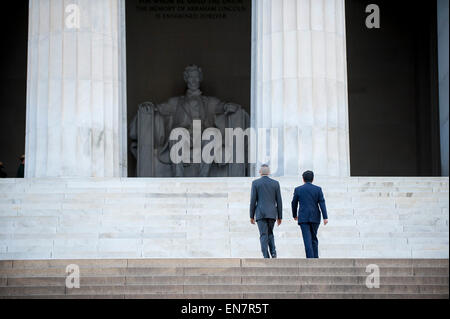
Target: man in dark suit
[
  {"x": 310, "y": 198},
  {"x": 2, "y": 173},
  {"x": 266, "y": 208},
  {"x": 21, "y": 169}
]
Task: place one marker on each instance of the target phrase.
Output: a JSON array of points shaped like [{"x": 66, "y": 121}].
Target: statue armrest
[
  {"x": 147, "y": 107},
  {"x": 145, "y": 139}
]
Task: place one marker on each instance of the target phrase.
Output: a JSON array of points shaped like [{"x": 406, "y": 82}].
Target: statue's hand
[
  {"x": 231, "y": 108},
  {"x": 147, "y": 107}
]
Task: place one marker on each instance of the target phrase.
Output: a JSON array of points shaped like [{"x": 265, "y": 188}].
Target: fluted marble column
[
  {"x": 76, "y": 116},
  {"x": 300, "y": 83}
]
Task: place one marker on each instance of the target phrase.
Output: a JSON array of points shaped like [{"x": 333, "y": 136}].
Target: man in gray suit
[{"x": 266, "y": 208}]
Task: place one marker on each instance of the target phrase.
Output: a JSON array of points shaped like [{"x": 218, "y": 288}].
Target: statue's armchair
[
  {"x": 150, "y": 142},
  {"x": 147, "y": 133}
]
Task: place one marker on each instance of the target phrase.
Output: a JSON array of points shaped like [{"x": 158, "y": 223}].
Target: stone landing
[{"x": 189, "y": 218}]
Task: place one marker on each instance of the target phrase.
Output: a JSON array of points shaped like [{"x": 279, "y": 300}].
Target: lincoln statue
[{"x": 152, "y": 126}]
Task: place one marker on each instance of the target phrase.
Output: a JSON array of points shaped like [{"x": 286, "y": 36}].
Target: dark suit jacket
[
  {"x": 310, "y": 198},
  {"x": 21, "y": 171},
  {"x": 266, "y": 200}
]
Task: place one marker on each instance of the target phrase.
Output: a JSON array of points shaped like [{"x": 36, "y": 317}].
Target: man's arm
[
  {"x": 279, "y": 203},
  {"x": 294, "y": 205},
  {"x": 253, "y": 201},
  {"x": 168, "y": 108},
  {"x": 322, "y": 205}
]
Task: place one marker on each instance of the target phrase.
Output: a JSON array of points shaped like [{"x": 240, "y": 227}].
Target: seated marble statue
[{"x": 151, "y": 128}]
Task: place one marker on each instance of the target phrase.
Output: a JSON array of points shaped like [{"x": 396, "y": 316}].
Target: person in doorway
[
  {"x": 2, "y": 172},
  {"x": 21, "y": 169}
]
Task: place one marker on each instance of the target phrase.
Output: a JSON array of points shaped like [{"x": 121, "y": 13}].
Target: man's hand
[
  {"x": 252, "y": 221},
  {"x": 296, "y": 219},
  {"x": 278, "y": 222},
  {"x": 147, "y": 107},
  {"x": 230, "y": 108},
  {"x": 325, "y": 222}
]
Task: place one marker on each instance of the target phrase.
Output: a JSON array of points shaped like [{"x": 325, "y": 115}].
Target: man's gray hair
[{"x": 265, "y": 169}]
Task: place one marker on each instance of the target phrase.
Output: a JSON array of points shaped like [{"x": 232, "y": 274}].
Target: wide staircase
[
  {"x": 373, "y": 217},
  {"x": 227, "y": 278}
]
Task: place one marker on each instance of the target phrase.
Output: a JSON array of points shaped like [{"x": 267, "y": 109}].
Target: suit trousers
[
  {"x": 266, "y": 237},
  {"x": 309, "y": 233}
]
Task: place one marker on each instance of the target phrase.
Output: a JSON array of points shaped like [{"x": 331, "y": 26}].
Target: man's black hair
[{"x": 308, "y": 176}]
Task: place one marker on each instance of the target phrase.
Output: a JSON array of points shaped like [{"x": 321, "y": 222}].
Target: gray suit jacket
[{"x": 266, "y": 200}]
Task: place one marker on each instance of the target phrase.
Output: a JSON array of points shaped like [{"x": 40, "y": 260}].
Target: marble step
[
  {"x": 225, "y": 278},
  {"x": 210, "y": 192},
  {"x": 180, "y": 251},
  {"x": 249, "y": 271},
  {"x": 218, "y": 289},
  {"x": 230, "y": 296},
  {"x": 231, "y": 271},
  {"x": 221, "y": 262},
  {"x": 222, "y": 280}
]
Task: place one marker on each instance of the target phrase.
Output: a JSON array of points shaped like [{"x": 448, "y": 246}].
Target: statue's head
[{"x": 193, "y": 76}]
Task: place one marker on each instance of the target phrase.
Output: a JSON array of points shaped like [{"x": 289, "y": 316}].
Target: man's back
[
  {"x": 310, "y": 198},
  {"x": 266, "y": 199}
]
